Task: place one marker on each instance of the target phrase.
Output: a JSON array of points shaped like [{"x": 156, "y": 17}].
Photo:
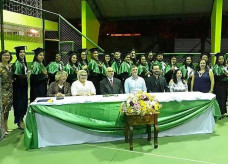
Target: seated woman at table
[
  {"x": 60, "y": 87},
  {"x": 82, "y": 87},
  {"x": 178, "y": 84}
]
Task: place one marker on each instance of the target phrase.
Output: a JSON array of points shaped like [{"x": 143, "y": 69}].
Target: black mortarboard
[
  {"x": 219, "y": 54},
  {"x": 81, "y": 50},
  {"x": 205, "y": 53},
  {"x": 158, "y": 53},
  {"x": 140, "y": 56},
  {"x": 93, "y": 49},
  {"x": 71, "y": 53},
  {"x": 19, "y": 48},
  {"x": 38, "y": 50},
  {"x": 116, "y": 50}
]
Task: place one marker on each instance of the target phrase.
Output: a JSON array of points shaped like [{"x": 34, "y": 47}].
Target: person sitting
[
  {"x": 134, "y": 83},
  {"x": 178, "y": 84},
  {"x": 82, "y": 87},
  {"x": 110, "y": 85},
  {"x": 156, "y": 82},
  {"x": 60, "y": 87}
]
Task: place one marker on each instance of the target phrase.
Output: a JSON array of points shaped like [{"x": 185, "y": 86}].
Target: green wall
[
  {"x": 25, "y": 22},
  {"x": 90, "y": 25}
]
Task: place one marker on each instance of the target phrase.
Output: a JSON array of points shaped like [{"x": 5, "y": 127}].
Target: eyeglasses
[
  {"x": 83, "y": 75},
  {"x": 6, "y": 55},
  {"x": 110, "y": 71}
]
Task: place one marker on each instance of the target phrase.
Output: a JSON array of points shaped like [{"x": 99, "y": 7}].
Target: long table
[{"x": 79, "y": 119}]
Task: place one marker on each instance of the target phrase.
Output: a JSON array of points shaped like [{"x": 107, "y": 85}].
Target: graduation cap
[
  {"x": 82, "y": 50},
  {"x": 158, "y": 53},
  {"x": 38, "y": 50},
  {"x": 140, "y": 56},
  {"x": 116, "y": 50},
  {"x": 219, "y": 54},
  {"x": 92, "y": 50},
  {"x": 205, "y": 53},
  {"x": 19, "y": 48},
  {"x": 71, "y": 53}
]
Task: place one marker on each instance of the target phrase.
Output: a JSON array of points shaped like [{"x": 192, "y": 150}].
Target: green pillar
[
  {"x": 90, "y": 26},
  {"x": 216, "y": 26}
]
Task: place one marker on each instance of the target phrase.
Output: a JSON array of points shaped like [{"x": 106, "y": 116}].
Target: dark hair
[
  {"x": 171, "y": 59},
  {"x": 155, "y": 65},
  {"x": 198, "y": 66},
  {"x": 18, "y": 58},
  {"x": 207, "y": 54},
  {"x": 175, "y": 76},
  {"x": 3, "y": 52},
  {"x": 80, "y": 58},
  {"x": 105, "y": 54},
  {"x": 217, "y": 58},
  {"x": 70, "y": 61},
  {"x": 185, "y": 64}
]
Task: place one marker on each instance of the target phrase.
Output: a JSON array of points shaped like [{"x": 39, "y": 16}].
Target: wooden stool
[{"x": 147, "y": 120}]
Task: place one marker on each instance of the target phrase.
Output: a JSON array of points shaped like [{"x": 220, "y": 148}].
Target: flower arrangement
[{"x": 140, "y": 104}]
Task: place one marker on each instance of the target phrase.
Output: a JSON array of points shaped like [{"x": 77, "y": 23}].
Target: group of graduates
[{"x": 14, "y": 78}]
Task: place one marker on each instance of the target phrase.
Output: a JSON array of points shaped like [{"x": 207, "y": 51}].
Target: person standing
[
  {"x": 20, "y": 87},
  {"x": 116, "y": 63},
  {"x": 82, "y": 62},
  {"x": 203, "y": 78},
  {"x": 187, "y": 70},
  {"x": 39, "y": 76},
  {"x": 95, "y": 69},
  {"x": 221, "y": 77},
  {"x": 7, "y": 90},
  {"x": 54, "y": 67},
  {"x": 72, "y": 67}
]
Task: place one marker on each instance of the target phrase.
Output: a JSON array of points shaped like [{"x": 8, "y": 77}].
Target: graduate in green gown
[
  {"x": 133, "y": 60},
  {"x": 39, "y": 76},
  {"x": 150, "y": 59},
  {"x": 187, "y": 70},
  {"x": 221, "y": 77},
  {"x": 143, "y": 67},
  {"x": 125, "y": 67},
  {"x": 116, "y": 62},
  {"x": 207, "y": 56},
  {"x": 160, "y": 63},
  {"x": 54, "y": 67},
  {"x": 72, "y": 67},
  {"x": 106, "y": 63},
  {"x": 82, "y": 59},
  {"x": 95, "y": 69},
  {"x": 170, "y": 68},
  {"x": 20, "y": 86}
]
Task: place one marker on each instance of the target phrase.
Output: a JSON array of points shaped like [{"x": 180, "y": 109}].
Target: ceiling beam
[{"x": 156, "y": 17}]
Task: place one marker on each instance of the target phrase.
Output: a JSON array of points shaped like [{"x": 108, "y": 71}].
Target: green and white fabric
[{"x": 98, "y": 118}]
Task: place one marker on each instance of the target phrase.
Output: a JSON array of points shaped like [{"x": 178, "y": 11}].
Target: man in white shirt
[{"x": 134, "y": 83}]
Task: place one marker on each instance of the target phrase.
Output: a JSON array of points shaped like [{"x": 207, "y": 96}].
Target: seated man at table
[
  {"x": 110, "y": 85},
  {"x": 156, "y": 82},
  {"x": 134, "y": 83},
  {"x": 82, "y": 87}
]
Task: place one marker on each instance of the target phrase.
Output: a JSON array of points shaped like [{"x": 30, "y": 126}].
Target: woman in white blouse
[
  {"x": 82, "y": 87},
  {"x": 178, "y": 84}
]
